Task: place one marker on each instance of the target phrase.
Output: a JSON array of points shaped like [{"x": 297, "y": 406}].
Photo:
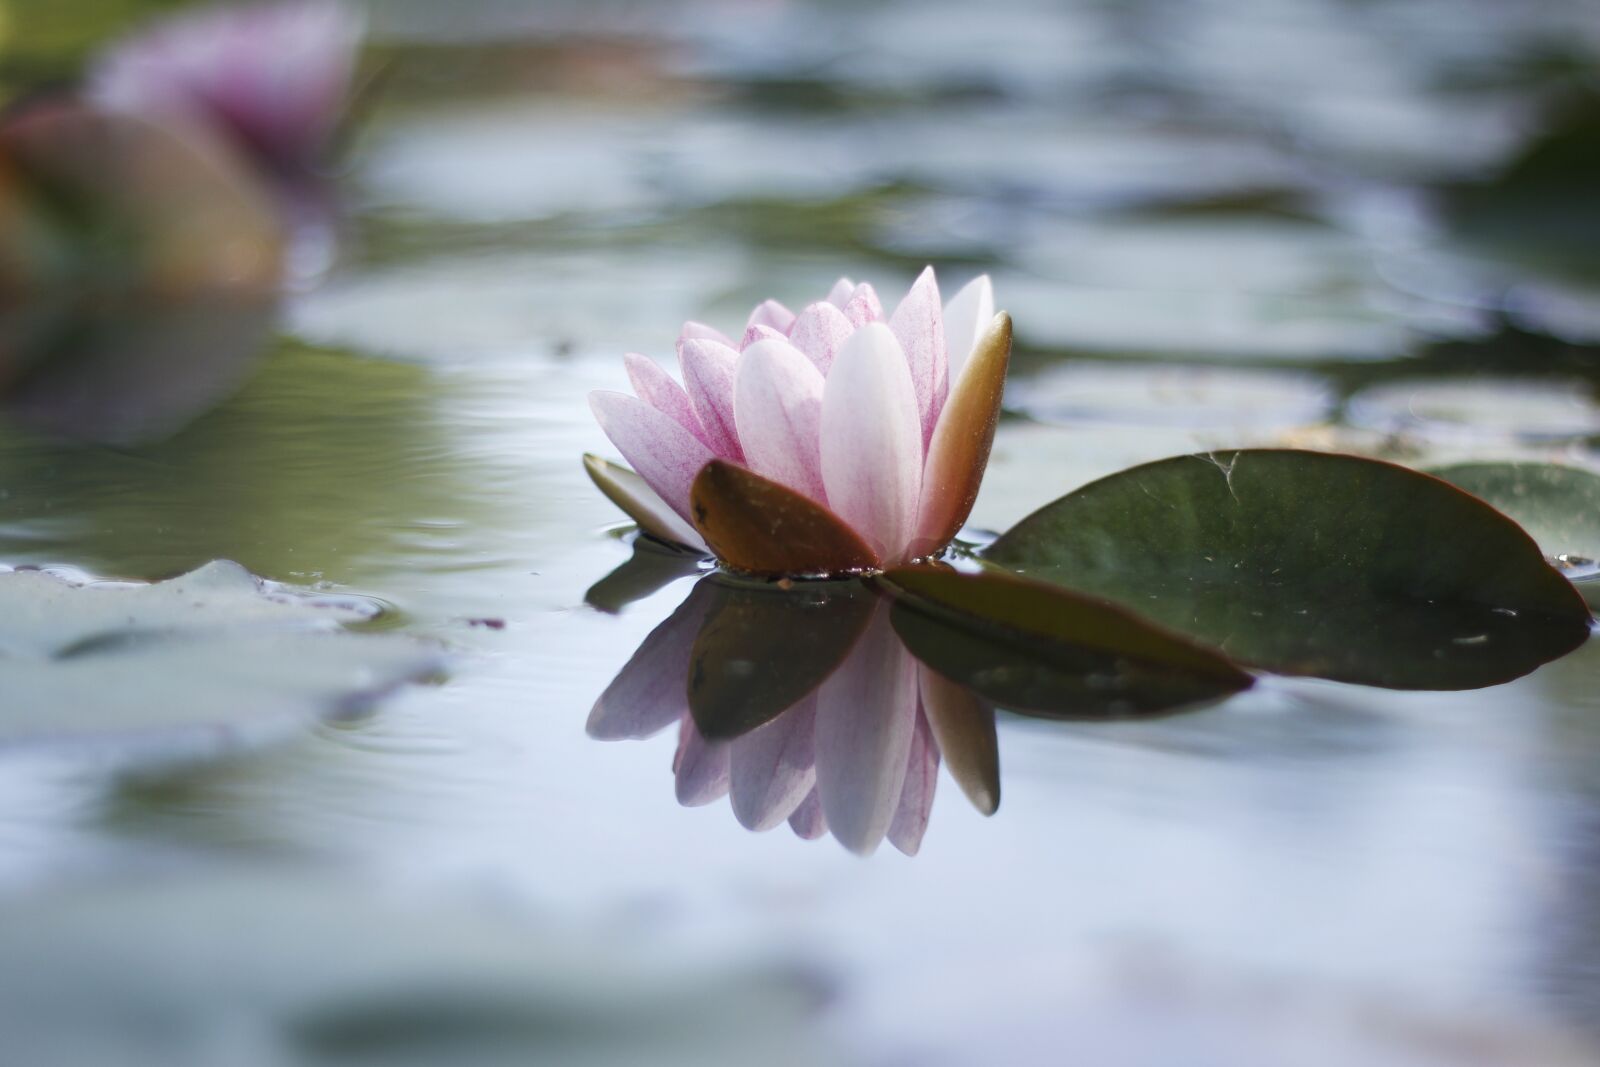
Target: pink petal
[
  {"x": 772, "y": 767},
  {"x": 771, "y": 313},
  {"x": 820, "y": 331},
  {"x": 872, "y": 441},
  {"x": 760, "y": 332},
  {"x": 840, "y": 294},
  {"x": 966, "y": 317},
  {"x": 866, "y": 717},
  {"x": 700, "y": 768},
  {"x": 661, "y": 391},
  {"x": 652, "y": 690},
  {"x": 807, "y": 821},
  {"x": 777, "y": 405},
  {"x": 664, "y": 454},
  {"x": 863, "y": 306},
  {"x": 916, "y": 796},
  {"x": 708, "y": 372},
  {"x": 919, "y": 327},
  {"x": 699, "y": 331}
]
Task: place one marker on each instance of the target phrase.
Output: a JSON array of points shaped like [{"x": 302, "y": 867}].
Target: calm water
[{"x": 1214, "y": 224}]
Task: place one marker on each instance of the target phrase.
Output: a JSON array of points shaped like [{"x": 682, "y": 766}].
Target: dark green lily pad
[
  {"x": 1311, "y": 563},
  {"x": 763, "y": 647},
  {"x": 1039, "y": 649},
  {"x": 209, "y": 661},
  {"x": 1559, "y": 506}
]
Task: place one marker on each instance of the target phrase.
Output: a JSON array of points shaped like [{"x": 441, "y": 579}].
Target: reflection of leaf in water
[
  {"x": 761, "y": 649},
  {"x": 206, "y": 661},
  {"x": 1039, "y": 649},
  {"x": 1311, "y": 563},
  {"x": 324, "y": 464},
  {"x": 322, "y": 970}
]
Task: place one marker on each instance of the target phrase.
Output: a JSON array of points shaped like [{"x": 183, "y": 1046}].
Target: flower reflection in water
[{"x": 801, "y": 704}]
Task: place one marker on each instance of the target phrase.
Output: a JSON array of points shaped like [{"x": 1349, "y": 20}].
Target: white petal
[
  {"x": 866, "y": 718},
  {"x": 771, "y": 313},
  {"x": 839, "y": 295},
  {"x": 664, "y": 454},
  {"x": 777, "y": 407},
  {"x": 966, "y": 316},
  {"x": 699, "y": 331},
  {"x": 872, "y": 441}
]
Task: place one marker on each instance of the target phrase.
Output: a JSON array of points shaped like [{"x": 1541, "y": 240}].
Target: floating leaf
[
  {"x": 1037, "y": 648},
  {"x": 762, "y": 649},
  {"x": 755, "y": 525},
  {"x": 1559, "y": 506},
  {"x": 213, "y": 659},
  {"x": 1311, "y": 563}
]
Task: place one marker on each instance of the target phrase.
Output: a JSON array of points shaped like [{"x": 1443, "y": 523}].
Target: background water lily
[
  {"x": 882, "y": 421},
  {"x": 273, "y": 77}
]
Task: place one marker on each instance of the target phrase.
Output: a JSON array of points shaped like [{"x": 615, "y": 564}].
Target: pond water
[{"x": 1214, "y": 224}]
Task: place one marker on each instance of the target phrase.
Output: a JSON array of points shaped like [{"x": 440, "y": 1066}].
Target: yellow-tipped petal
[{"x": 959, "y": 450}]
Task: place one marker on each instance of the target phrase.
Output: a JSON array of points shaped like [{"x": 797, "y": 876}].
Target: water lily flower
[
  {"x": 836, "y": 439},
  {"x": 272, "y": 77}
]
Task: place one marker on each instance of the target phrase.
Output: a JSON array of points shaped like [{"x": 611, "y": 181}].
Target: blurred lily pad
[
  {"x": 1477, "y": 410},
  {"x": 267, "y": 966},
  {"x": 213, "y": 659},
  {"x": 1040, "y": 649},
  {"x": 1559, "y": 506},
  {"x": 1311, "y": 563}
]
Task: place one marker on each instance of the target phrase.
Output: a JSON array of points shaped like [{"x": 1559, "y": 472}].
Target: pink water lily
[
  {"x": 862, "y": 433},
  {"x": 273, "y": 77}
]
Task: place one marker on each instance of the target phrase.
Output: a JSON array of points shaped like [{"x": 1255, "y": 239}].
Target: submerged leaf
[
  {"x": 1037, "y": 648},
  {"x": 755, "y": 525},
  {"x": 210, "y": 660},
  {"x": 1311, "y": 563},
  {"x": 762, "y": 648}
]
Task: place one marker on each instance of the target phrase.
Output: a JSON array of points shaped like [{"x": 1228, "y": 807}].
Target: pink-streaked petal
[
  {"x": 916, "y": 796},
  {"x": 866, "y": 718},
  {"x": 708, "y": 372},
  {"x": 863, "y": 306},
  {"x": 771, "y": 313},
  {"x": 918, "y": 325},
  {"x": 772, "y": 767},
  {"x": 661, "y": 391},
  {"x": 664, "y": 454},
  {"x": 966, "y": 317},
  {"x": 760, "y": 332},
  {"x": 808, "y": 822},
  {"x": 699, "y": 331},
  {"x": 652, "y": 691},
  {"x": 820, "y": 330},
  {"x": 872, "y": 441},
  {"x": 841, "y": 292},
  {"x": 700, "y": 768},
  {"x": 777, "y": 406}
]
